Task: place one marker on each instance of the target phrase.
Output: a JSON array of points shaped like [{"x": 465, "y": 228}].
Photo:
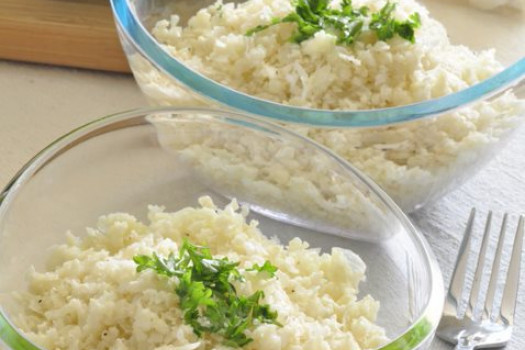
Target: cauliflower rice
[
  {"x": 414, "y": 162},
  {"x": 91, "y": 297}
]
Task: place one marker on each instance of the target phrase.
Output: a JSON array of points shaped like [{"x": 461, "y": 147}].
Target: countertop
[{"x": 40, "y": 103}]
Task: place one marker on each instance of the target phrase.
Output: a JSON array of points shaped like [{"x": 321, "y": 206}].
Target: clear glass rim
[
  {"x": 420, "y": 330},
  {"x": 134, "y": 31}
]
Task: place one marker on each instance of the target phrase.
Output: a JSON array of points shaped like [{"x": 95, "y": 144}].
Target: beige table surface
[{"x": 41, "y": 103}]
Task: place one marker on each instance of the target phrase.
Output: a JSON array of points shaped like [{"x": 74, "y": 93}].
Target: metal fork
[{"x": 482, "y": 324}]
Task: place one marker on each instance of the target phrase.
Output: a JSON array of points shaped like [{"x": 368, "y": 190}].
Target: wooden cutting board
[{"x": 74, "y": 33}]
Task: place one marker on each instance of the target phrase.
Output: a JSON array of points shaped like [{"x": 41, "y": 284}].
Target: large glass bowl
[
  {"x": 417, "y": 152},
  {"x": 124, "y": 162}
]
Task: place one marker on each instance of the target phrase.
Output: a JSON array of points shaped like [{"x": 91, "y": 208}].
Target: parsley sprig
[
  {"x": 346, "y": 23},
  {"x": 207, "y": 295}
]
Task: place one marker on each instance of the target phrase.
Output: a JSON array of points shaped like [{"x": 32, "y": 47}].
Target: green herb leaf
[
  {"x": 266, "y": 267},
  {"x": 318, "y": 6},
  {"x": 346, "y": 23},
  {"x": 168, "y": 267},
  {"x": 386, "y": 26},
  {"x": 208, "y": 297}
]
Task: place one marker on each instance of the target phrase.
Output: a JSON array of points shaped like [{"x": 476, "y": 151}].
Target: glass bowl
[
  {"x": 418, "y": 148},
  {"x": 170, "y": 157}
]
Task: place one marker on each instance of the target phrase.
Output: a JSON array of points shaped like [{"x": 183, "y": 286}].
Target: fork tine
[
  {"x": 510, "y": 292},
  {"x": 476, "y": 283},
  {"x": 494, "y": 275},
  {"x": 459, "y": 327},
  {"x": 458, "y": 276}
]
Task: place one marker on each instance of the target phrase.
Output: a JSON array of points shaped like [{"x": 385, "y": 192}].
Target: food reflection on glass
[{"x": 275, "y": 176}]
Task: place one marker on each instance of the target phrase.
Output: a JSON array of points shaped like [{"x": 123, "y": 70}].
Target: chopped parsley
[
  {"x": 386, "y": 26},
  {"x": 207, "y": 295},
  {"x": 266, "y": 267},
  {"x": 346, "y": 23}
]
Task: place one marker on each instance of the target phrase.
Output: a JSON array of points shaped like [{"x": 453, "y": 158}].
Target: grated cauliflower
[{"x": 91, "y": 296}]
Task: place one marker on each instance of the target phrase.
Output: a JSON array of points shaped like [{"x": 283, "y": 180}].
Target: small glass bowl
[
  {"x": 124, "y": 162},
  {"x": 416, "y": 152}
]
